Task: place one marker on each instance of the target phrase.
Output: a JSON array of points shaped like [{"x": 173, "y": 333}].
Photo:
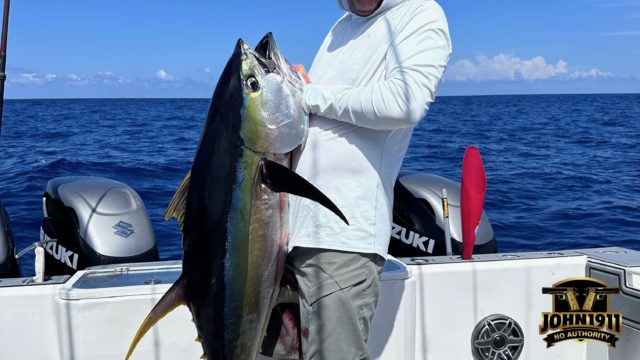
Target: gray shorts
[{"x": 338, "y": 295}]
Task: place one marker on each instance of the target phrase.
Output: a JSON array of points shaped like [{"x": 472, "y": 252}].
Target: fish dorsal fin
[
  {"x": 174, "y": 297},
  {"x": 178, "y": 203},
  {"x": 280, "y": 178}
]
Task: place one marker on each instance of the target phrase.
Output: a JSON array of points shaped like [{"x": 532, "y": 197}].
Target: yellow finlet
[{"x": 178, "y": 203}]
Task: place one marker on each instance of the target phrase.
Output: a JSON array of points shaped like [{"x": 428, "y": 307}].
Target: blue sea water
[{"x": 563, "y": 170}]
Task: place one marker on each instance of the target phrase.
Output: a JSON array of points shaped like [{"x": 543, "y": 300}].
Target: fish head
[{"x": 273, "y": 117}]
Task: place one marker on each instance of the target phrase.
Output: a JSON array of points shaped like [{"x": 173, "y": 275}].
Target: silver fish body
[{"x": 233, "y": 205}]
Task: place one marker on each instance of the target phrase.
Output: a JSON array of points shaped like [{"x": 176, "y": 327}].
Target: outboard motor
[
  {"x": 418, "y": 225},
  {"x": 8, "y": 264},
  {"x": 92, "y": 221}
]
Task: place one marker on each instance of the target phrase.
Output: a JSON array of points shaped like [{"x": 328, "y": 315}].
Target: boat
[
  {"x": 98, "y": 275},
  {"x": 431, "y": 307}
]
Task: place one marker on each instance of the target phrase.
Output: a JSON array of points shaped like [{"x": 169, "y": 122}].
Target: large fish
[{"x": 233, "y": 206}]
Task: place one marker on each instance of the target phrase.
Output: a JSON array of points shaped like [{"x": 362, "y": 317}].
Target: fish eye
[{"x": 252, "y": 84}]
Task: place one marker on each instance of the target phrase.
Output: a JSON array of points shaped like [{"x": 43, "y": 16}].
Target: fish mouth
[
  {"x": 266, "y": 54},
  {"x": 268, "y": 50},
  {"x": 267, "y": 47},
  {"x": 267, "y": 64}
]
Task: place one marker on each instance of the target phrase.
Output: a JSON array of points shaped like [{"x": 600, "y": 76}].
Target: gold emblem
[{"x": 581, "y": 312}]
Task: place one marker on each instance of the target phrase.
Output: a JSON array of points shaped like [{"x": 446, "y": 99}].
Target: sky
[{"x": 161, "y": 48}]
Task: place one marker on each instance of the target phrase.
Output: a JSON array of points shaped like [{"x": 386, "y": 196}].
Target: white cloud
[
  {"x": 163, "y": 75},
  {"x": 505, "y": 67},
  {"x": 593, "y": 73},
  {"x": 26, "y": 78},
  {"x": 32, "y": 78},
  {"x": 107, "y": 77},
  {"x": 615, "y": 4},
  {"x": 508, "y": 67},
  {"x": 24, "y": 82},
  {"x": 623, "y": 33}
]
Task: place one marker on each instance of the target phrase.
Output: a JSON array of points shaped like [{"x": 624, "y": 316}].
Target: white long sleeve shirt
[{"x": 372, "y": 81}]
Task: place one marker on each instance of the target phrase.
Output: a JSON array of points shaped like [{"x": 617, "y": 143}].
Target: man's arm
[{"x": 416, "y": 61}]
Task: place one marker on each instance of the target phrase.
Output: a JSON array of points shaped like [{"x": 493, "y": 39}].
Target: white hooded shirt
[{"x": 372, "y": 81}]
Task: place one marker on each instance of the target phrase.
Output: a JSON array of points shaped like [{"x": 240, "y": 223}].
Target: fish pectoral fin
[
  {"x": 178, "y": 203},
  {"x": 279, "y": 178},
  {"x": 174, "y": 297}
]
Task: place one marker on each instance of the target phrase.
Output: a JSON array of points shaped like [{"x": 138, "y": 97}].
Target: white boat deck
[{"x": 427, "y": 310}]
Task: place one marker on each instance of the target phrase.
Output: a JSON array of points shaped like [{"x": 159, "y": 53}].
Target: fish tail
[{"x": 174, "y": 297}]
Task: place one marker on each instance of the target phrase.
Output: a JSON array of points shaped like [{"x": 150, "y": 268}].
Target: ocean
[{"x": 563, "y": 171}]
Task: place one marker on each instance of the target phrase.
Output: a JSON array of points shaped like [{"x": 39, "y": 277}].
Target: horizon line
[{"x": 208, "y": 98}]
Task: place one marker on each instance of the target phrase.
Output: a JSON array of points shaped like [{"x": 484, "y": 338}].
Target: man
[{"x": 371, "y": 82}]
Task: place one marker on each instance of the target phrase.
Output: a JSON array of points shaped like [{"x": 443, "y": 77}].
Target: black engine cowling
[
  {"x": 92, "y": 221},
  {"x": 417, "y": 228},
  {"x": 8, "y": 264}
]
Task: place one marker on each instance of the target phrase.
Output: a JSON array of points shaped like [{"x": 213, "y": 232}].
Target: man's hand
[{"x": 303, "y": 73}]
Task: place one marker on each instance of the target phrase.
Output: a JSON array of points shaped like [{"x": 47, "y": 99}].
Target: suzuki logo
[
  {"x": 63, "y": 255},
  {"x": 123, "y": 229},
  {"x": 411, "y": 238}
]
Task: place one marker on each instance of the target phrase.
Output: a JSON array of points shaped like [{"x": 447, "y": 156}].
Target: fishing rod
[{"x": 3, "y": 56}]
